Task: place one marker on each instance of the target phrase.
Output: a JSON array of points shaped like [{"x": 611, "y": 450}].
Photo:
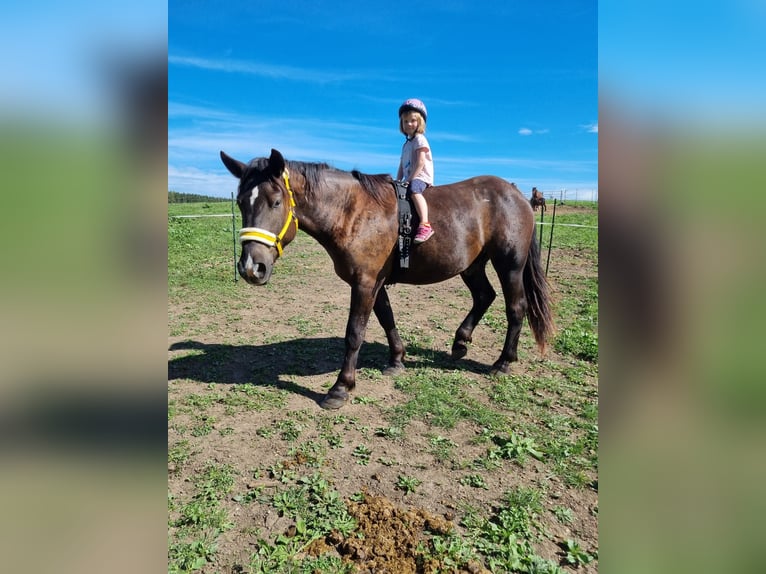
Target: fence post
[
  {"x": 550, "y": 241},
  {"x": 234, "y": 236}
]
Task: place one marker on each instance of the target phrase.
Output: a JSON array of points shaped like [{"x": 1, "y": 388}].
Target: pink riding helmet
[{"x": 416, "y": 105}]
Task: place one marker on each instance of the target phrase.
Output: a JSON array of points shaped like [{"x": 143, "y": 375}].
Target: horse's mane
[{"x": 376, "y": 186}]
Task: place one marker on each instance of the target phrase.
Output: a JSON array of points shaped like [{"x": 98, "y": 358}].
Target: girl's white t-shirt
[{"x": 408, "y": 160}]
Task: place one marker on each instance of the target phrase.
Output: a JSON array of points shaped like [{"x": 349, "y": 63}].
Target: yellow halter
[{"x": 267, "y": 237}]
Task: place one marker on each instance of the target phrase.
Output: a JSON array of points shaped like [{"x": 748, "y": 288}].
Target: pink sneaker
[{"x": 424, "y": 233}]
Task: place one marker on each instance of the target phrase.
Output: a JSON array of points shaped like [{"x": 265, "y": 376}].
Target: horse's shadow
[{"x": 268, "y": 364}]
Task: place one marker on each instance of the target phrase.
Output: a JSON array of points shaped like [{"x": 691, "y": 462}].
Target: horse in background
[{"x": 537, "y": 199}]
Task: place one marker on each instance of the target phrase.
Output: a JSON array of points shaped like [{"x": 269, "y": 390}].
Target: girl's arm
[
  {"x": 399, "y": 173},
  {"x": 420, "y": 161}
]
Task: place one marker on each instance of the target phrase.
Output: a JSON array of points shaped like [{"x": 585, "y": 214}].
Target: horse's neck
[{"x": 319, "y": 213}]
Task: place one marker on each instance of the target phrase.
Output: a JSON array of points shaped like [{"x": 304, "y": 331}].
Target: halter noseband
[{"x": 267, "y": 237}]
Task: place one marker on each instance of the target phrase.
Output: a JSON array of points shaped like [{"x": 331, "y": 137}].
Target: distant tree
[{"x": 176, "y": 197}]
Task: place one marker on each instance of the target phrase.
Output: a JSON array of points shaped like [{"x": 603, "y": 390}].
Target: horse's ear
[
  {"x": 276, "y": 163},
  {"x": 237, "y": 168}
]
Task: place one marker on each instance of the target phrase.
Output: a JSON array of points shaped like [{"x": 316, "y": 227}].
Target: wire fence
[
  {"x": 559, "y": 198},
  {"x": 564, "y": 195}
]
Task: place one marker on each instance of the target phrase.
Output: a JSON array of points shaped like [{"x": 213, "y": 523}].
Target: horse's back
[
  {"x": 477, "y": 219},
  {"x": 485, "y": 196},
  {"x": 482, "y": 186}
]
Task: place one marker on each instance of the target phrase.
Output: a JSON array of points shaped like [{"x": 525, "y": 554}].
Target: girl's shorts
[{"x": 418, "y": 186}]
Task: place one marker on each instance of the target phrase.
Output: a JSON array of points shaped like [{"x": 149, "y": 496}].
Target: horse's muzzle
[{"x": 254, "y": 270}]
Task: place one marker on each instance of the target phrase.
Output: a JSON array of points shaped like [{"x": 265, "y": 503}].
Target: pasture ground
[{"x": 440, "y": 469}]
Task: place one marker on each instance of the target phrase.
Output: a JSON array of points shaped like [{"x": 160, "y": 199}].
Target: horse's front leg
[
  {"x": 385, "y": 316},
  {"x": 361, "y": 306}
]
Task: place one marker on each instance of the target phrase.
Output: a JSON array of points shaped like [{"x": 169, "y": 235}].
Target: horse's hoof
[
  {"x": 500, "y": 369},
  {"x": 332, "y": 402},
  {"x": 459, "y": 351},
  {"x": 393, "y": 370}
]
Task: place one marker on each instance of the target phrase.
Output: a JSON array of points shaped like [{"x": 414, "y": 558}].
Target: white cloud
[
  {"x": 199, "y": 181},
  {"x": 591, "y": 128},
  {"x": 272, "y": 71},
  {"x": 528, "y": 132}
]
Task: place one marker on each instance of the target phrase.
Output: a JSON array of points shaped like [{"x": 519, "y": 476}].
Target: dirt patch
[
  {"x": 287, "y": 338},
  {"x": 392, "y": 539}
]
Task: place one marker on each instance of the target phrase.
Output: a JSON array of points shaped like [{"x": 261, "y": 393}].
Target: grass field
[{"x": 440, "y": 469}]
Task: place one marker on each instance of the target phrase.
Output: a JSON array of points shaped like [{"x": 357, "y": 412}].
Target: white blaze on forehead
[{"x": 253, "y": 196}]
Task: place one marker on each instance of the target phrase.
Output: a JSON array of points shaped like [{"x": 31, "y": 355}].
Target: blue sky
[{"x": 511, "y": 87}]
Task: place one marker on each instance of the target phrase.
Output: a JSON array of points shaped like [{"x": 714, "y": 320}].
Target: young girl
[{"x": 416, "y": 166}]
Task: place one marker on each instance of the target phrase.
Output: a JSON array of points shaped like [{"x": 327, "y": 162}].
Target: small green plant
[
  {"x": 316, "y": 507},
  {"x": 265, "y": 432},
  {"x": 364, "y": 401},
  {"x": 334, "y": 440},
  {"x": 204, "y": 514},
  {"x": 253, "y": 495},
  {"x": 310, "y": 453},
  {"x": 215, "y": 481},
  {"x": 392, "y": 433},
  {"x": 504, "y": 537},
  {"x": 204, "y": 426},
  {"x": 474, "y": 481},
  {"x": 441, "y": 447},
  {"x": 289, "y": 430},
  {"x": 362, "y": 455},
  {"x": 575, "y": 554},
  {"x": 201, "y": 401},
  {"x": 563, "y": 514},
  {"x": 281, "y": 473},
  {"x": 190, "y": 556},
  {"x": 538, "y": 565},
  {"x": 490, "y": 461},
  {"x": 288, "y": 501},
  {"x": 179, "y": 454},
  {"x": 407, "y": 483},
  {"x": 304, "y": 326},
  {"x": 516, "y": 448},
  {"x": 577, "y": 479},
  {"x": 453, "y": 552}
]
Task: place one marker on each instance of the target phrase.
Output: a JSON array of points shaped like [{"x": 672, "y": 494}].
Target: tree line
[{"x": 176, "y": 197}]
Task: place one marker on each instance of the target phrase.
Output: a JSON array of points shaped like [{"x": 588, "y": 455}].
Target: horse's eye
[{"x": 277, "y": 203}]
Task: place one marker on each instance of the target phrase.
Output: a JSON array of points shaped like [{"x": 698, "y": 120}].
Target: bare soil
[{"x": 269, "y": 337}]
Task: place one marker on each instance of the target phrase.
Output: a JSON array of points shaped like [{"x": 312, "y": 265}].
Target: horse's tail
[{"x": 539, "y": 312}]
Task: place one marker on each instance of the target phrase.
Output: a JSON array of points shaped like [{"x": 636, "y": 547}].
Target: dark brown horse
[
  {"x": 537, "y": 199},
  {"x": 354, "y": 217}
]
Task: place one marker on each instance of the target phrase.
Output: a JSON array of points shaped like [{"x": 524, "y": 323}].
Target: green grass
[
  {"x": 540, "y": 427},
  {"x": 197, "y": 522},
  {"x": 505, "y": 538},
  {"x": 442, "y": 400},
  {"x": 565, "y": 233}
]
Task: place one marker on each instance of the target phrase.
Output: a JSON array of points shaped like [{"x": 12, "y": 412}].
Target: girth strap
[{"x": 405, "y": 223}]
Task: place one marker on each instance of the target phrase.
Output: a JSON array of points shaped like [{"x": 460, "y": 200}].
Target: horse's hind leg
[
  {"x": 475, "y": 278},
  {"x": 385, "y": 316},
  {"x": 512, "y": 281}
]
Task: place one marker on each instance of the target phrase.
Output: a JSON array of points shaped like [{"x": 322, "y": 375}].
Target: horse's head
[{"x": 266, "y": 203}]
